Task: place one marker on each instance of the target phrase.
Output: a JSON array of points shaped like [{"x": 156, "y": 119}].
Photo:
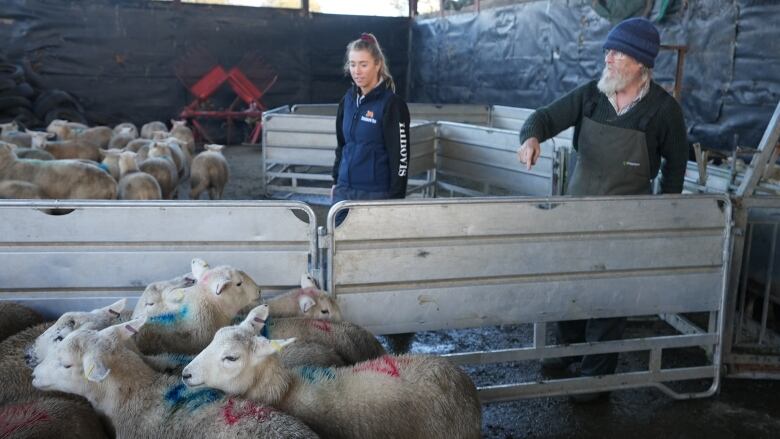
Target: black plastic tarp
[
  {"x": 528, "y": 54},
  {"x": 120, "y": 58}
]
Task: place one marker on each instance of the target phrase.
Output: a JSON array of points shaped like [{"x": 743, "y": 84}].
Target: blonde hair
[{"x": 370, "y": 44}]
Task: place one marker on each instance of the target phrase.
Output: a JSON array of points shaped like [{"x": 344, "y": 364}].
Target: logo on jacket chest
[{"x": 368, "y": 117}]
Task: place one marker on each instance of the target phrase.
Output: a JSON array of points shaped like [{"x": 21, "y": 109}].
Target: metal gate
[
  {"x": 104, "y": 250},
  {"x": 410, "y": 266}
]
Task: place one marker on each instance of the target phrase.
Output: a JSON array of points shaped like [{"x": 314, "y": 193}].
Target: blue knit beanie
[{"x": 637, "y": 38}]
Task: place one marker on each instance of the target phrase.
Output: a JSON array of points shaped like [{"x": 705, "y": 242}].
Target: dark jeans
[
  {"x": 341, "y": 193},
  {"x": 578, "y": 331}
]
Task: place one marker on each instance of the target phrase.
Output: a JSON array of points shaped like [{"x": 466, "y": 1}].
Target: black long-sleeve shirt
[{"x": 665, "y": 131}]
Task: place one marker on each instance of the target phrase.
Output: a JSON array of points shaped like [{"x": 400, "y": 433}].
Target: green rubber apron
[{"x": 610, "y": 161}]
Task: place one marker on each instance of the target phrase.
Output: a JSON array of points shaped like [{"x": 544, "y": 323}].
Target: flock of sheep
[
  {"x": 104, "y": 163},
  {"x": 201, "y": 356}
]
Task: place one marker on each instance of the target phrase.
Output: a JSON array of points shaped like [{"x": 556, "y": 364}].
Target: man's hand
[{"x": 529, "y": 152}]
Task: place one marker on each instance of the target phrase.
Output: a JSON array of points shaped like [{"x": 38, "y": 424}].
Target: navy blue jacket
[{"x": 373, "y": 142}]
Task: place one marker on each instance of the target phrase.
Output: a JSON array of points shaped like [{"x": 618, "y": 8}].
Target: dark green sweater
[{"x": 665, "y": 133}]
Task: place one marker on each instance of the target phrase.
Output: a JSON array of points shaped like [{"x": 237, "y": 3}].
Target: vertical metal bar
[
  {"x": 768, "y": 288},
  {"x": 742, "y": 292},
  {"x": 540, "y": 335},
  {"x": 737, "y": 251},
  {"x": 654, "y": 364},
  {"x": 322, "y": 233}
]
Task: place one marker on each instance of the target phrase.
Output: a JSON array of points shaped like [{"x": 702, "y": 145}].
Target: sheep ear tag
[
  {"x": 306, "y": 302},
  {"x": 115, "y": 308}
]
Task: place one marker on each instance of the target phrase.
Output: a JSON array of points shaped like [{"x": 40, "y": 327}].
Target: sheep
[
  {"x": 98, "y": 136},
  {"x": 64, "y": 129},
  {"x": 20, "y": 190},
  {"x": 307, "y": 301},
  {"x": 15, "y": 317},
  {"x": 50, "y": 417},
  {"x": 65, "y": 149},
  {"x": 134, "y": 184},
  {"x": 148, "y": 130},
  {"x": 433, "y": 397},
  {"x": 9, "y": 132},
  {"x": 31, "y": 346},
  {"x": 59, "y": 179},
  {"x": 145, "y": 404},
  {"x": 209, "y": 171},
  {"x": 22, "y": 405},
  {"x": 127, "y": 128},
  {"x": 9, "y": 127},
  {"x": 351, "y": 342},
  {"x": 14, "y": 364},
  {"x": 217, "y": 297},
  {"x": 170, "y": 149},
  {"x": 136, "y": 145},
  {"x": 164, "y": 172},
  {"x": 181, "y": 131},
  {"x": 110, "y": 161},
  {"x": 70, "y": 321},
  {"x": 123, "y": 134},
  {"x": 152, "y": 300},
  {"x": 33, "y": 153}
]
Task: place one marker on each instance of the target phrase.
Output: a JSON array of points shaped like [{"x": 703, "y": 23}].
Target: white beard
[{"x": 612, "y": 82}]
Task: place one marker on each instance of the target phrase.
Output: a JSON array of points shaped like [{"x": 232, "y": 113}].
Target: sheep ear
[
  {"x": 306, "y": 302},
  {"x": 198, "y": 267},
  {"x": 115, "y": 308},
  {"x": 176, "y": 295},
  {"x": 94, "y": 369},
  {"x": 265, "y": 347},
  {"x": 125, "y": 330},
  {"x": 307, "y": 281},
  {"x": 256, "y": 318},
  {"x": 219, "y": 286}
]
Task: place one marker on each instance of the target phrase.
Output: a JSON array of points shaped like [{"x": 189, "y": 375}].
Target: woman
[{"x": 372, "y": 127}]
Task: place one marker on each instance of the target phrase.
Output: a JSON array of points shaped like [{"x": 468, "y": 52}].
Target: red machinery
[{"x": 205, "y": 88}]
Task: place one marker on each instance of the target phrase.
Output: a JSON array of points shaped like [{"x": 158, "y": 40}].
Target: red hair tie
[{"x": 367, "y": 37}]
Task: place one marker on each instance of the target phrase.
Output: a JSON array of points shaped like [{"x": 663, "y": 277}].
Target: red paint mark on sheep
[
  {"x": 16, "y": 418},
  {"x": 322, "y": 325},
  {"x": 246, "y": 410},
  {"x": 385, "y": 364}
]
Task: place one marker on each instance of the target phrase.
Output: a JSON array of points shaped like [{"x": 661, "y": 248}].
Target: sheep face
[
  {"x": 69, "y": 322},
  {"x": 84, "y": 357},
  {"x": 316, "y": 304},
  {"x": 229, "y": 363},
  {"x": 62, "y": 369},
  {"x": 232, "y": 288}
]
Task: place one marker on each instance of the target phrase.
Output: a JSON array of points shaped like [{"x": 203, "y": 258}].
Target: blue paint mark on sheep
[
  {"x": 314, "y": 374},
  {"x": 266, "y": 331},
  {"x": 180, "y": 397},
  {"x": 170, "y": 318},
  {"x": 104, "y": 167}
]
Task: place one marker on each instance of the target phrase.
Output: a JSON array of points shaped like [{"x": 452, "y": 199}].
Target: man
[{"x": 624, "y": 124}]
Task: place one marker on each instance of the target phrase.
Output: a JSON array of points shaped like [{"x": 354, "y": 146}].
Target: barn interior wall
[
  {"x": 529, "y": 53},
  {"x": 120, "y": 57}
]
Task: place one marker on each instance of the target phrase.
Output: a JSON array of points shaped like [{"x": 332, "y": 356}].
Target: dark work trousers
[{"x": 579, "y": 331}]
